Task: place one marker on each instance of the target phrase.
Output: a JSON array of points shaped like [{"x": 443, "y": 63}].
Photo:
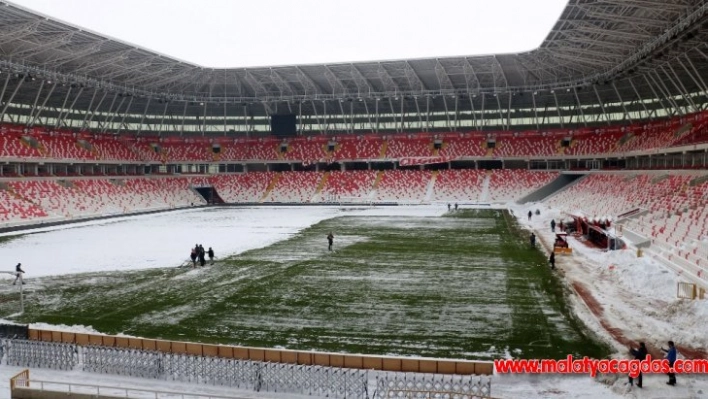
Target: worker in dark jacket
[
  {"x": 553, "y": 225},
  {"x": 330, "y": 239},
  {"x": 639, "y": 354},
  {"x": 552, "y": 260},
  {"x": 210, "y": 252},
  {"x": 18, "y": 274}
]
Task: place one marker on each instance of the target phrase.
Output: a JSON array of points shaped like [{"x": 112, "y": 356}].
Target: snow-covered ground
[
  {"x": 156, "y": 240},
  {"x": 165, "y": 239},
  {"x": 638, "y": 296},
  {"x": 638, "y": 301}
]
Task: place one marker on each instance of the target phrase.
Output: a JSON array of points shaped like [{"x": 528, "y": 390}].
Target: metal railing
[{"x": 22, "y": 381}]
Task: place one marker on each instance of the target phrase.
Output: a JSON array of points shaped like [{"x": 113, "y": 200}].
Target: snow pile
[{"x": 78, "y": 329}]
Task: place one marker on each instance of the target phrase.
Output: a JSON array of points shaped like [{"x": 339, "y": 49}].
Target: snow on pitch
[
  {"x": 164, "y": 240},
  {"x": 636, "y": 292}
]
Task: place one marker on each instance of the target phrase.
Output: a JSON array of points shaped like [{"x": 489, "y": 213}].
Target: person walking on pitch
[
  {"x": 18, "y": 274},
  {"x": 330, "y": 239}
]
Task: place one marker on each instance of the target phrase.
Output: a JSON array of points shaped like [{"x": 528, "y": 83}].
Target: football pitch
[{"x": 464, "y": 285}]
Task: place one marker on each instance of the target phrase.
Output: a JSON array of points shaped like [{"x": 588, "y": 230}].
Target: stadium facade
[
  {"x": 603, "y": 63},
  {"x": 91, "y": 126}
]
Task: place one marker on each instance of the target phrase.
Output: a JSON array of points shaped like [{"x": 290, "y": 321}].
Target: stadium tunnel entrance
[{"x": 209, "y": 194}]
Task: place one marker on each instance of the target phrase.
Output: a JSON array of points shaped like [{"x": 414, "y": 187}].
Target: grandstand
[{"x": 617, "y": 93}]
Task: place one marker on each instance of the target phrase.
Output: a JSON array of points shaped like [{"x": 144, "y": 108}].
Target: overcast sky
[{"x": 242, "y": 33}]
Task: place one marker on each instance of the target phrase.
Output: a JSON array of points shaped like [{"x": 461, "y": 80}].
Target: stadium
[{"x": 430, "y": 174}]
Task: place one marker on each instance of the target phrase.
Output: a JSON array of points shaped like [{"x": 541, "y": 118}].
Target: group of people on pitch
[
  {"x": 199, "y": 254},
  {"x": 641, "y": 354}
]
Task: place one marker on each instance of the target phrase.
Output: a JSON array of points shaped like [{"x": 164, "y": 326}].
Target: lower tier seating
[
  {"x": 672, "y": 211},
  {"x": 513, "y": 184}
]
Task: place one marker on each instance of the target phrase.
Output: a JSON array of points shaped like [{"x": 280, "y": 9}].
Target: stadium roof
[{"x": 617, "y": 50}]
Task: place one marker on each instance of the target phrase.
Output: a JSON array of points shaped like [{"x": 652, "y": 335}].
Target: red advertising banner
[{"x": 424, "y": 160}]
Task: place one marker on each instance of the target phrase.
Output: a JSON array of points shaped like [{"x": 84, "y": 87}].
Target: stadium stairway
[
  {"x": 320, "y": 186},
  {"x": 484, "y": 196},
  {"x": 270, "y": 187},
  {"x": 558, "y": 184},
  {"x": 431, "y": 186}
]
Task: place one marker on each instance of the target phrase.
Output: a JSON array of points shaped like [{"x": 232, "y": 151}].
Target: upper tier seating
[
  {"x": 463, "y": 147},
  {"x": 64, "y": 144},
  {"x": 65, "y": 147},
  {"x": 361, "y": 148},
  {"x": 111, "y": 149},
  {"x": 256, "y": 150},
  {"x": 592, "y": 144},
  {"x": 305, "y": 151},
  {"x": 149, "y": 152},
  {"x": 190, "y": 152},
  {"x": 524, "y": 146},
  {"x": 12, "y": 145},
  {"x": 401, "y": 147}
]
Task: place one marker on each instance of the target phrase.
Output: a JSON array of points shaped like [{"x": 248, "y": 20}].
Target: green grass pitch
[{"x": 465, "y": 285}]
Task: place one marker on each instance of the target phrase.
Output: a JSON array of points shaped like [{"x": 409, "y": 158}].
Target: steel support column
[
  {"x": 679, "y": 86},
  {"x": 44, "y": 103},
  {"x": 658, "y": 97},
  {"x": 184, "y": 116},
  {"x": 698, "y": 75},
  {"x": 665, "y": 91},
  {"x": 162, "y": 120},
  {"x": 122, "y": 119},
  {"x": 624, "y": 108},
  {"x": 4, "y": 87},
  {"x": 142, "y": 118},
  {"x": 558, "y": 109},
  {"x": 482, "y": 111},
  {"x": 402, "y": 115},
  {"x": 34, "y": 104},
  {"x": 63, "y": 107},
  {"x": 112, "y": 114},
  {"x": 535, "y": 110},
  {"x": 475, "y": 125},
  {"x": 699, "y": 82},
  {"x": 427, "y": 113},
  {"x": 204, "y": 118},
  {"x": 457, "y": 112},
  {"x": 640, "y": 99},
  {"x": 602, "y": 105},
  {"x": 420, "y": 116},
  {"x": 90, "y": 106},
  {"x": 368, "y": 115},
  {"x": 580, "y": 107},
  {"x": 9, "y": 100},
  {"x": 447, "y": 112}
]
